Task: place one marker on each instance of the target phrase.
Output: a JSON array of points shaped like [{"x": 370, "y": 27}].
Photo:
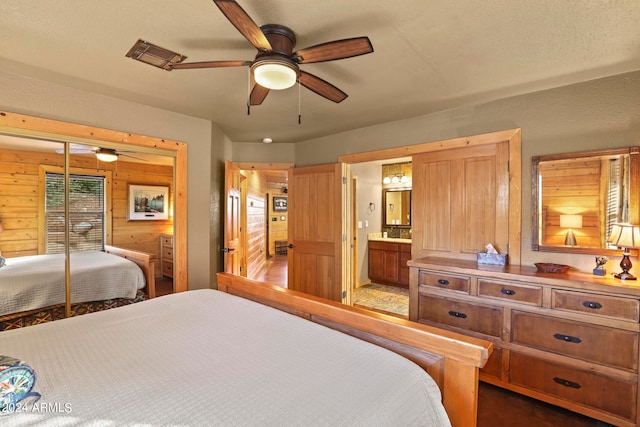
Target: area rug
[{"x": 388, "y": 299}]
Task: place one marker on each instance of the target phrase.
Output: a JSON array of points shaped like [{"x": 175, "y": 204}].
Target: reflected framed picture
[
  {"x": 279, "y": 204},
  {"x": 147, "y": 202}
]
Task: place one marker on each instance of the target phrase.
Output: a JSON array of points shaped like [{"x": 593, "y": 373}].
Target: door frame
[{"x": 512, "y": 136}]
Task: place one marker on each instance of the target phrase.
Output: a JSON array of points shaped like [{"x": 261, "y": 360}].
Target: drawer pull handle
[
  {"x": 457, "y": 314},
  {"x": 507, "y": 291},
  {"x": 567, "y": 383},
  {"x": 567, "y": 338},
  {"x": 591, "y": 304},
  {"x": 443, "y": 282}
]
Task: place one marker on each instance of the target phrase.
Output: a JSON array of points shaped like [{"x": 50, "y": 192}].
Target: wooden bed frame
[
  {"x": 143, "y": 259},
  {"x": 452, "y": 360}
]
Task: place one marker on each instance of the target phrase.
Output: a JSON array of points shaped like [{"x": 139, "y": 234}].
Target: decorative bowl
[{"x": 548, "y": 267}]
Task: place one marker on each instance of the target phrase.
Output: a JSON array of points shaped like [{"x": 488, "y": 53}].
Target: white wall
[{"x": 369, "y": 190}]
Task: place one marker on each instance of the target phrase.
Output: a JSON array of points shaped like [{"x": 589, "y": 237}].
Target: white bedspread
[
  {"x": 208, "y": 358},
  {"x": 31, "y": 282}
]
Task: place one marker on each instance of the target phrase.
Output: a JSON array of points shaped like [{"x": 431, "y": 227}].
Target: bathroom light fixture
[
  {"x": 570, "y": 222},
  {"x": 625, "y": 236},
  {"x": 107, "y": 155},
  {"x": 275, "y": 73}
]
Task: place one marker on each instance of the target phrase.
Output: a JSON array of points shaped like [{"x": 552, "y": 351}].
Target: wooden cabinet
[
  {"x": 388, "y": 262},
  {"x": 166, "y": 255},
  {"x": 568, "y": 339}
]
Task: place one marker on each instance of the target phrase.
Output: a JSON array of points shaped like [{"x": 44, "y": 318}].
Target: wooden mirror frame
[
  {"x": 634, "y": 197},
  {"x": 22, "y": 125}
]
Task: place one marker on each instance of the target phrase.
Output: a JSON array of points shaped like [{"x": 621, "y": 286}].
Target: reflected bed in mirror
[
  {"x": 397, "y": 207},
  {"x": 577, "y": 197}
]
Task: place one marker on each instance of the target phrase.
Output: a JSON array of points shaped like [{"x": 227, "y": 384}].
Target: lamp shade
[
  {"x": 571, "y": 221},
  {"x": 625, "y": 236}
]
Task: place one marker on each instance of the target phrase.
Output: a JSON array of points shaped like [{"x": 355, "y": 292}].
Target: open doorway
[
  {"x": 385, "y": 291},
  {"x": 263, "y": 214}
]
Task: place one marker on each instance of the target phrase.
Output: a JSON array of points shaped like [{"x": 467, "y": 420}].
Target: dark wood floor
[
  {"x": 164, "y": 286},
  {"x": 496, "y": 407}
]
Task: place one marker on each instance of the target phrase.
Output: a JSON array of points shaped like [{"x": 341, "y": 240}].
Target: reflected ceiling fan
[
  {"x": 103, "y": 154},
  {"x": 276, "y": 65}
]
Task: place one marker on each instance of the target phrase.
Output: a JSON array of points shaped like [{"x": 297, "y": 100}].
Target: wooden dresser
[
  {"x": 166, "y": 255},
  {"x": 568, "y": 339}
]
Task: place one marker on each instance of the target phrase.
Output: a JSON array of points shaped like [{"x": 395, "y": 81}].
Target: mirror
[
  {"x": 577, "y": 197},
  {"x": 397, "y": 207}
]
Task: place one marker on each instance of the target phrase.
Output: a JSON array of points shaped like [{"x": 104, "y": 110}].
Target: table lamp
[
  {"x": 625, "y": 236},
  {"x": 570, "y": 222}
]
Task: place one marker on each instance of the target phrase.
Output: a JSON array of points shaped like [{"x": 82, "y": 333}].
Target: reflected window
[{"x": 86, "y": 213}]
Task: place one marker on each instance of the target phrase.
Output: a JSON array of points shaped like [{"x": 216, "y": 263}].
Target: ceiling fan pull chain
[
  {"x": 299, "y": 113},
  {"x": 248, "y": 91}
]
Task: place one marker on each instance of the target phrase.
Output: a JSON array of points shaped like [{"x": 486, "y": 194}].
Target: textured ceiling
[{"x": 429, "y": 55}]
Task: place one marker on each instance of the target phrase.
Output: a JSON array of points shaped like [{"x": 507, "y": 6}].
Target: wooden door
[
  {"x": 232, "y": 228},
  {"x": 316, "y": 232},
  {"x": 461, "y": 201}
]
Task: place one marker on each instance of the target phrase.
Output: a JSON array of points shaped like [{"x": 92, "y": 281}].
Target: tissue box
[{"x": 495, "y": 259}]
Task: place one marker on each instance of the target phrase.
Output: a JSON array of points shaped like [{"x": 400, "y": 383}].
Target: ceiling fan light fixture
[
  {"x": 275, "y": 74},
  {"x": 107, "y": 156}
]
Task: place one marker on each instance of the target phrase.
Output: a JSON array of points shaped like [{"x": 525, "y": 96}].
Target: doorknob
[{"x": 225, "y": 250}]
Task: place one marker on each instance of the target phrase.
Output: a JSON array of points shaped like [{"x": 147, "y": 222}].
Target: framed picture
[
  {"x": 147, "y": 202},
  {"x": 279, "y": 204}
]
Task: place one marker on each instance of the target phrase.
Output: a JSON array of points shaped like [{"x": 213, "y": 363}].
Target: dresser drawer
[
  {"x": 167, "y": 253},
  {"x": 167, "y": 269},
  {"x": 599, "y": 344},
  {"x": 493, "y": 367},
  {"x": 472, "y": 317},
  {"x": 583, "y": 387},
  {"x": 600, "y": 305},
  {"x": 166, "y": 240},
  {"x": 526, "y": 294},
  {"x": 444, "y": 281}
]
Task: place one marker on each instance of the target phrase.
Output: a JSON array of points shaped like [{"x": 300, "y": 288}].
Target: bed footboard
[
  {"x": 451, "y": 359},
  {"x": 143, "y": 259}
]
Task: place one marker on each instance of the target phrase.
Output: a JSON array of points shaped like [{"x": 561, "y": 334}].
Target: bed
[
  {"x": 220, "y": 357},
  {"x": 32, "y": 288}
]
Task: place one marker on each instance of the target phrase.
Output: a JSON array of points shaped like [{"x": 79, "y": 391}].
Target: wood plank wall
[
  {"x": 277, "y": 228},
  {"x": 256, "y": 222},
  {"x": 20, "y": 210},
  {"x": 572, "y": 187}
]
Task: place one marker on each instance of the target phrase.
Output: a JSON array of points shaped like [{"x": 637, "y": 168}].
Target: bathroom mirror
[
  {"x": 577, "y": 197},
  {"x": 397, "y": 207}
]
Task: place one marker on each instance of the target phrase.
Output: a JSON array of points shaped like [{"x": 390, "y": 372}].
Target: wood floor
[{"x": 496, "y": 407}]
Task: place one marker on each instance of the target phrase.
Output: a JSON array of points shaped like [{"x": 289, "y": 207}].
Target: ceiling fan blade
[
  {"x": 131, "y": 157},
  {"x": 321, "y": 87},
  {"x": 209, "y": 64},
  {"x": 258, "y": 94},
  {"x": 338, "y": 49},
  {"x": 243, "y": 23}
]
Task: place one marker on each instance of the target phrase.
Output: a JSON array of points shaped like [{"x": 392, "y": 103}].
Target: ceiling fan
[
  {"x": 276, "y": 65},
  {"x": 103, "y": 154}
]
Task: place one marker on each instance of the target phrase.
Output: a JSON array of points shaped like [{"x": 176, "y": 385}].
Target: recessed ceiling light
[{"x": 267, "y": 140}]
